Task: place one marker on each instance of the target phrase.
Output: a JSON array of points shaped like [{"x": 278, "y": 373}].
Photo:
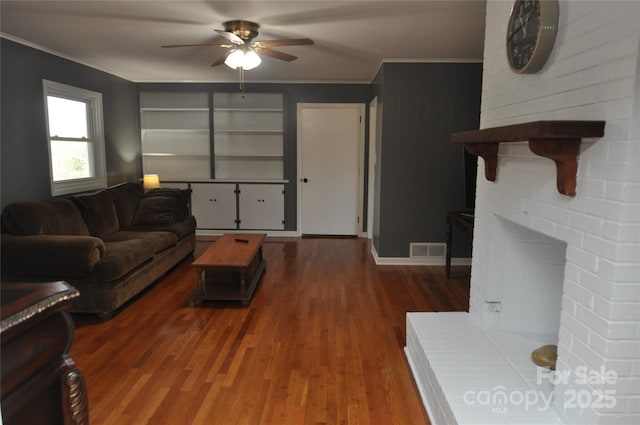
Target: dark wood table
[
  {"x": 462, "y": 220},
  {"x": 230, "y": 269},
  {"x": 40, "y": 382}
]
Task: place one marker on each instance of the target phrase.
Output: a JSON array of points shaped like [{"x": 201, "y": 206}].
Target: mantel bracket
[
  {"x": 556, "y": 140},
  {"x": 565, "y": 155},
  {"x": 488, "y": 152}
]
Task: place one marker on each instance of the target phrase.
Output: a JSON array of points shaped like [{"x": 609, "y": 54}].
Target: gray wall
[
  {"x": 24, "y": 171},
  {"x": 421, "y": 173}
]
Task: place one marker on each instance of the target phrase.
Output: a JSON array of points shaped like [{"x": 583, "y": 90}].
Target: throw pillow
[
  {"x": 126, "y": 197},
  {"x": 181, "y": 196},
  {"x": 155, "y": 211},
  {"x": 98, "y": 212}
]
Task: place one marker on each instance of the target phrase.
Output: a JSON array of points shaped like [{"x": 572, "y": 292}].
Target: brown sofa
[{"x": 110, "y": 244}]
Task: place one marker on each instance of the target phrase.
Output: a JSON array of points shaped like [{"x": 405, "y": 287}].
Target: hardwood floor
[{"x": 321, "y": 343}]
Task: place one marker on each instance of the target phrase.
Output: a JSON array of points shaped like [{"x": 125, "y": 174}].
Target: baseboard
[
  {"x": 462, "y": 261},
  {"x": 408, "y": 261}
]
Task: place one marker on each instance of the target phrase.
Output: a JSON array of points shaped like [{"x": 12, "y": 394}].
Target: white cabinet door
[
  {"x": 214, "y": 205},
  {"x": 261, "y": 206}
]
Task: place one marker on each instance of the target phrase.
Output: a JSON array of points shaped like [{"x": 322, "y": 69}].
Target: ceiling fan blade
[
  {"x": 222, "y": 58},
  {"x": 197, "y": 45},
  {"x": 275, "y": 54},
  {"x": 285, "y": 42},
  {"x": 230, "y": 36}
]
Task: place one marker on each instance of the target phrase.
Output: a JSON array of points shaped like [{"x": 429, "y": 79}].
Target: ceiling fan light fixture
[
  {"x": 251, "y": 59},
  {"x": 241, "y": 58},
  {"x": 235, "y": 59}
]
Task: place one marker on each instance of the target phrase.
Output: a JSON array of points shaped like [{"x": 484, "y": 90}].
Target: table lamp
[{"x": 151, "y": 181}]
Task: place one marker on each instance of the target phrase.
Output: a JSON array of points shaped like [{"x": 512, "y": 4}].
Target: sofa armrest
[{"x": 50, "y": 255}]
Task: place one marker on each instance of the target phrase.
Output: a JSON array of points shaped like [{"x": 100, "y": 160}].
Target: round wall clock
[{"x": 531, "y": 33}]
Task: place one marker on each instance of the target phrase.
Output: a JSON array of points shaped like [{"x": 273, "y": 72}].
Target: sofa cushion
[
  {"x": 180, "y": 229},
  {"x": 126, "y": 197},
  {"x": 160, "y": 240},
  {"x": 181, "y": 196},
  {"x": 183, "y": 228},
  {"x": 98, "y": 211},
  {"x": 55, "y": 216},
  {"x": 122, "y": 257},
  {"x": 155, "y": 211}
]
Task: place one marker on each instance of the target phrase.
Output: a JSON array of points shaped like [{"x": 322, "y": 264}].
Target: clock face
[{"x": 523, "y": 33}]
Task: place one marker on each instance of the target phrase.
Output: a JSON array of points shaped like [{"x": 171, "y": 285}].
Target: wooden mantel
[{"x": 556, "y": 140}]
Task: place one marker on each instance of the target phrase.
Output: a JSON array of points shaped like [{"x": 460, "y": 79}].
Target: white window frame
[{"x": 95, "y": 128}]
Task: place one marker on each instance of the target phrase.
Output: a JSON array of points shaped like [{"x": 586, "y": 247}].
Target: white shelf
[
  {"x": 174, "y": 109},
  {"x": 248, "y": 132},
  {"x": 248, "y": 109},
  {"x": 231, "y": 156},
  {"x": 175, "y": 130},
  {"x": 174, "y": 155},
  {"x": 214, "y": 181},
  {"x": 248, "y": 135},
  {"x": 175, "y": 134}
]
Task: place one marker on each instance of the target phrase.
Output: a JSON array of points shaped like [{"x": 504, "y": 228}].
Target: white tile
[{"x": 463, "y": 392}]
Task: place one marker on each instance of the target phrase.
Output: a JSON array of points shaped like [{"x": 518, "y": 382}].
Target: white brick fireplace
[{"x": 549, "y": 268}]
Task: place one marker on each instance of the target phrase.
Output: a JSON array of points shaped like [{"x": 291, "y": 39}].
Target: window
[{"x": 75, "y": 138}]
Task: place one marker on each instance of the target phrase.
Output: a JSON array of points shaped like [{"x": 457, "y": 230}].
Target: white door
[{"x": 330, "y": 136}]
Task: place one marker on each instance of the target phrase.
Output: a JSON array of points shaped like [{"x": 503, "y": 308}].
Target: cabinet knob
[{"x": 305, "y": 180}]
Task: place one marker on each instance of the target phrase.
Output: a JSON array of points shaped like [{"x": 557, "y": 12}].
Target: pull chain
[{"x": 241, "y": 78}]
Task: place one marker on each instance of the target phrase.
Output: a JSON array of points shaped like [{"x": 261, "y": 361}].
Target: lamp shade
[
  {"x": 251, "y": 60},
  {"x": 151, "y": 181},
  {"x": 235, "y": 59},
  {"x": 245, "y": 59}
]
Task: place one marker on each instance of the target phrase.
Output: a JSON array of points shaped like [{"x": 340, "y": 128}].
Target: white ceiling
[{"x": 352, "y": 38}]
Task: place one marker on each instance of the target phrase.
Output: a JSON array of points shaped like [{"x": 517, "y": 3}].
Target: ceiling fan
[{"x": 242, "y": 52}]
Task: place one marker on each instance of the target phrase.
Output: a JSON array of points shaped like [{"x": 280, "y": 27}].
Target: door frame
[
  {"x": 373, "y": 129},
  {"x": 360, "y": 165}
]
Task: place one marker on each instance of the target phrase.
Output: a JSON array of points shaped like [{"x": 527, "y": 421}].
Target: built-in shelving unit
[
  {"x": 248, "y": 136},
  {"x": 176, "y": 135},
  {"x": 227, "y": 149},
  {"x": 556, "y": 140}
]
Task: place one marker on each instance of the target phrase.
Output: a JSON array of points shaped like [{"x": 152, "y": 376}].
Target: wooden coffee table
[{"x": 230, "y": 269}]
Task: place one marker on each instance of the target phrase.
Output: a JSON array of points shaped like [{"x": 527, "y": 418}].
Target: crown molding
[{"x": 58, "y": 54}]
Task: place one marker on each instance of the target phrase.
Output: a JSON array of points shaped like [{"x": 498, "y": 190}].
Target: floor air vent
[{"x": 426, "y": 251}]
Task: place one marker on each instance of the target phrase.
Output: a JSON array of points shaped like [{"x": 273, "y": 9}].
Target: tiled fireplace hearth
[
  {"x": 549, "y": 268},
  {"x": 477, "y": 367}
]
